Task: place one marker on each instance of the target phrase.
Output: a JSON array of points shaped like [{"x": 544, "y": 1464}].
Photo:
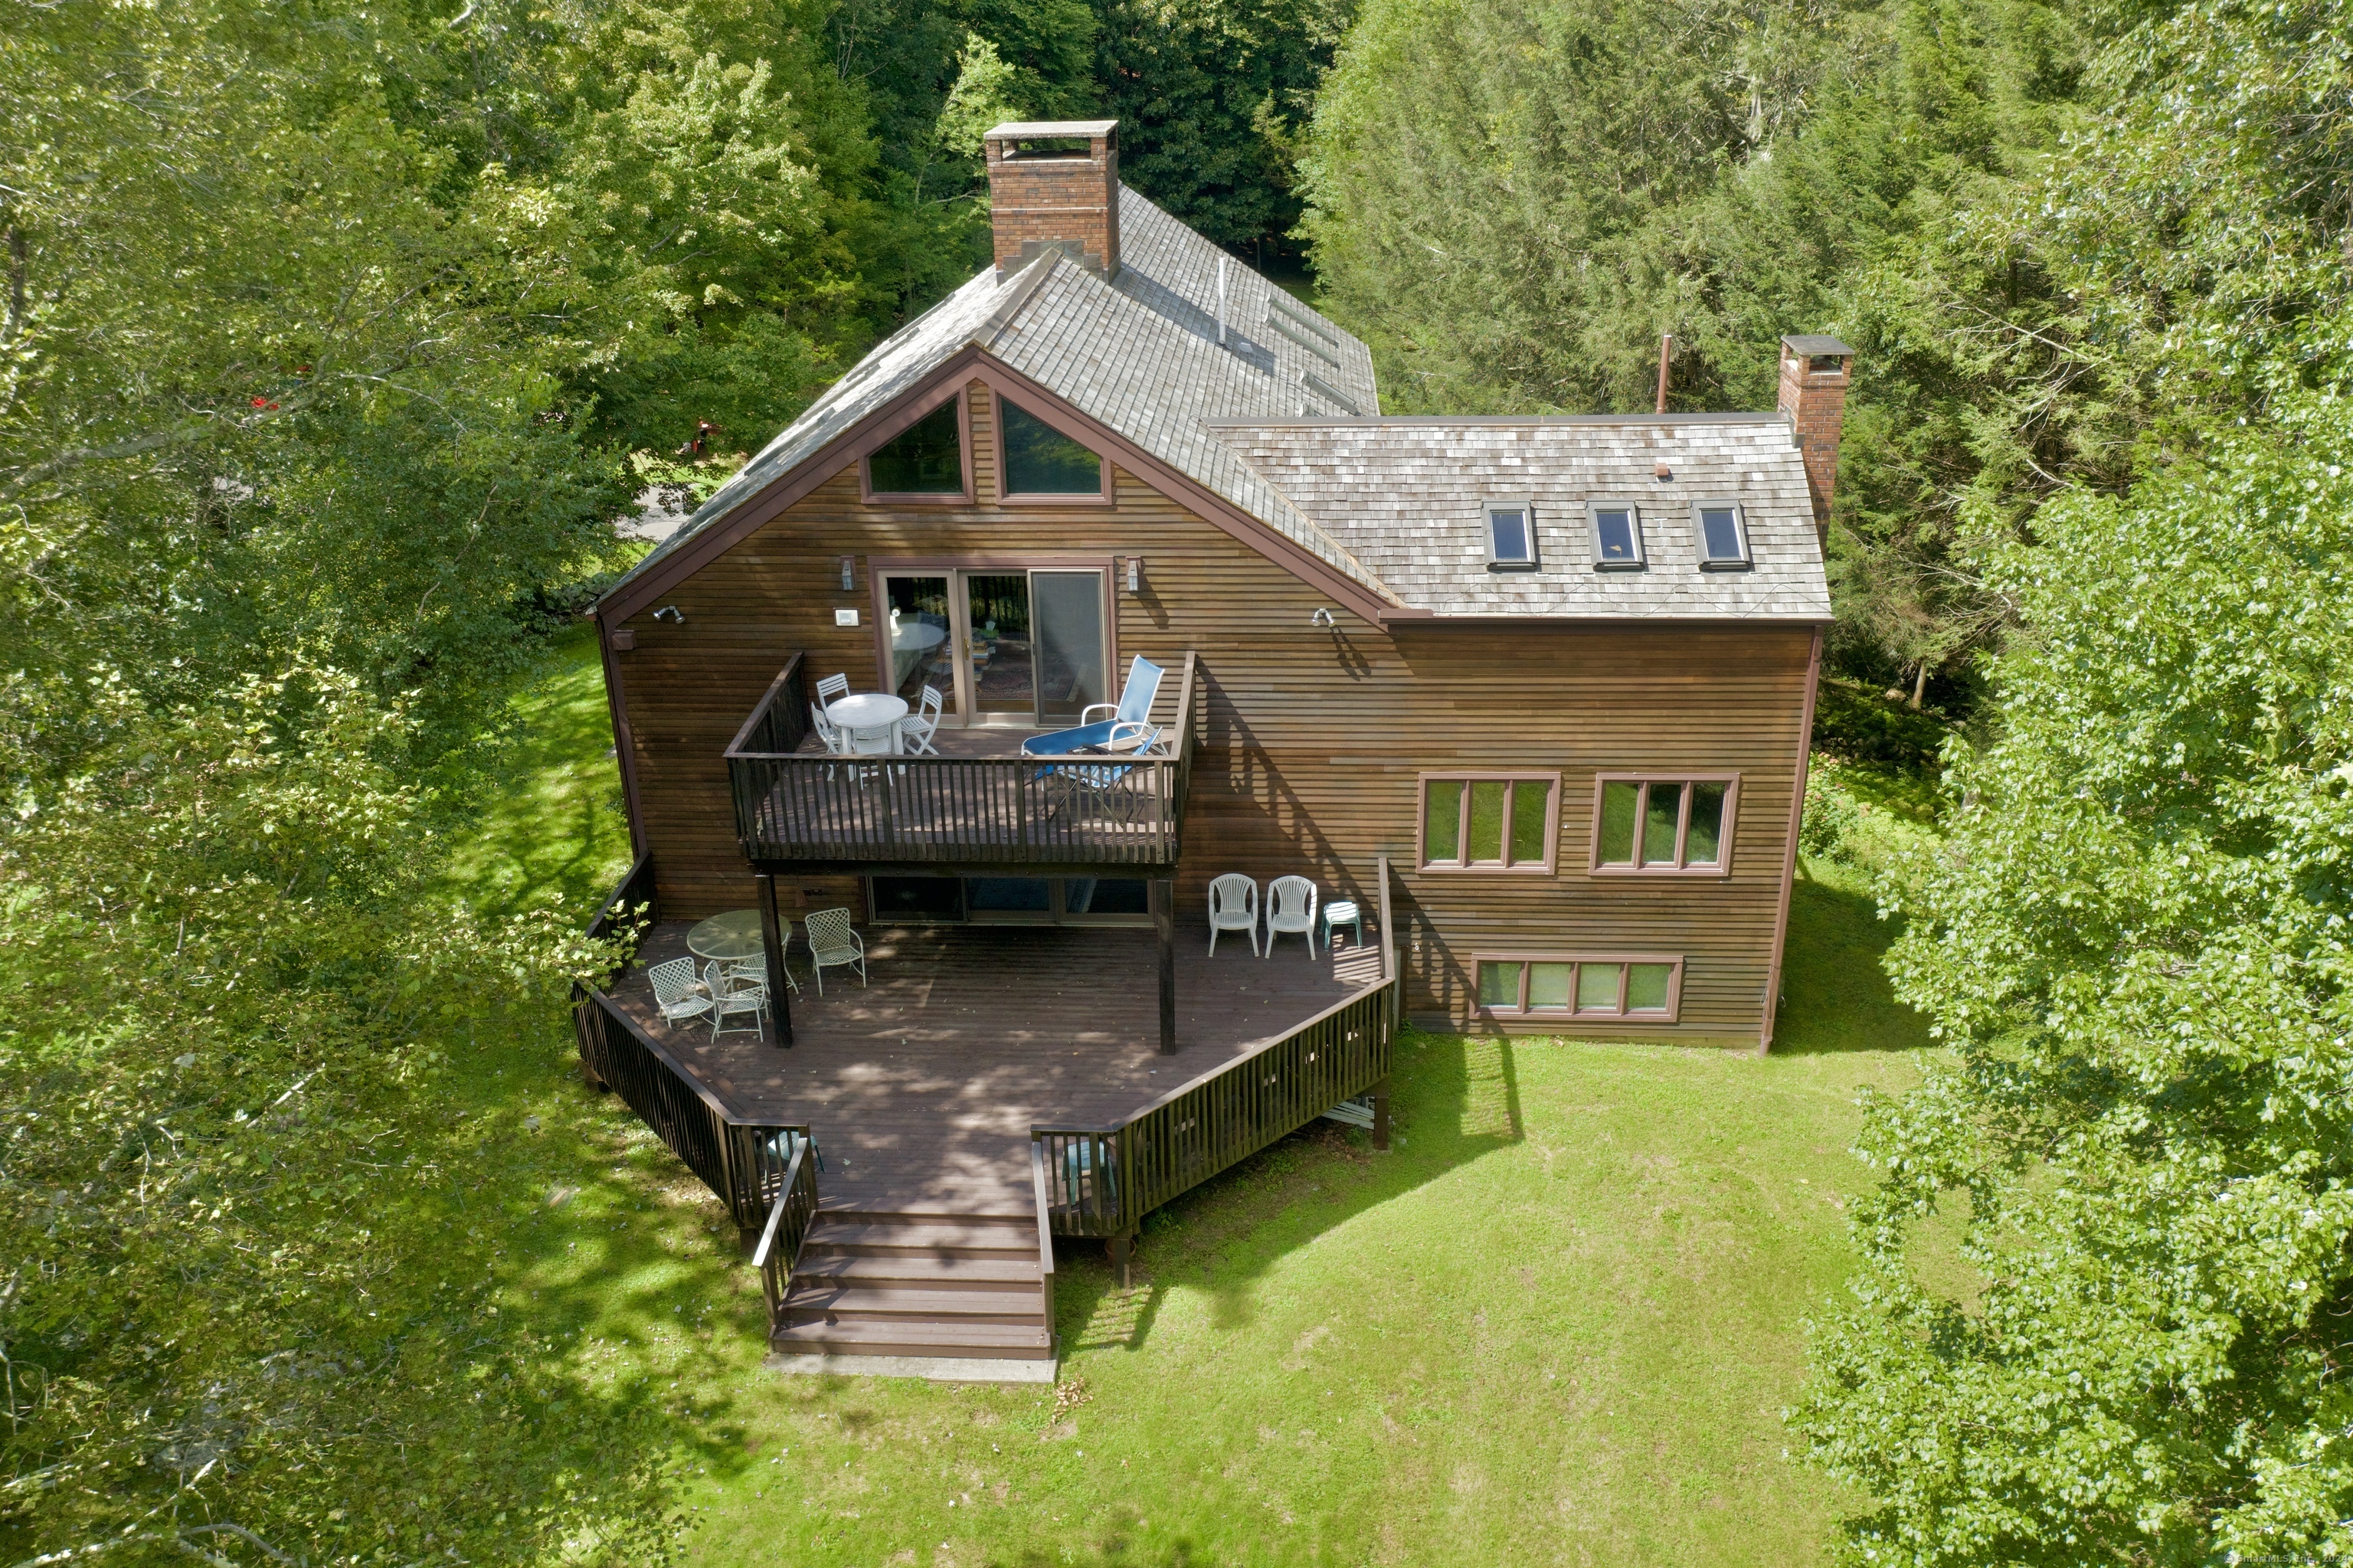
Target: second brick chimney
[
  {"x": 1814, "y": 371},
  {"x": 1055, "y": 185}
]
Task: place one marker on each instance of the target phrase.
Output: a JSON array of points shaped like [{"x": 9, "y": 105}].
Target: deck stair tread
[
  {"x": 866, "y": 1337},
  {"x": 829, "y": 1234},
  {"x": 912, "y": 1268},
  {"x": 855, "y": 1300}
]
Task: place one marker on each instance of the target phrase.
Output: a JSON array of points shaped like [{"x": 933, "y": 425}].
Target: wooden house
[{"x": 1533, "y": 694}]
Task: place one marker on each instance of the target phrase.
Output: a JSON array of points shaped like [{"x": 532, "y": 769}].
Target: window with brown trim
[
  {"x": 1041, "y": 460},
  {"x": 1644, "y": 825},
  {"x": 925, "y": 461},
  {"x": 1490, "y": 821},
  {"x": 1645, "y": 988}
]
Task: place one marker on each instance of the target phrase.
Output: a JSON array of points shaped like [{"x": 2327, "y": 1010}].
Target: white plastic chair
[
  {"x": 832, "y": 689},
  {"x": 1291, "y": 906},
  {"x": 916, "y": 730},
  {"x": 678, "y": 991},
  {"x": 733, "y": 993},
  {"x": 1233, "y": 906},
  {"x": 833, "y": 943}
]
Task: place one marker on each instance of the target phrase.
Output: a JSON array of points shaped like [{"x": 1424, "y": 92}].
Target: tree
[{"x": 2136, "y": 943}]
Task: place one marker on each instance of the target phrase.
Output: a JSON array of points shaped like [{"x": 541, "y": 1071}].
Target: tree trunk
[{"x": 1919, "y": 687}]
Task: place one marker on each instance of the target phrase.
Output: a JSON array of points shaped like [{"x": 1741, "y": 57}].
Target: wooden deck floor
[{"x": 921, "y": 1087}]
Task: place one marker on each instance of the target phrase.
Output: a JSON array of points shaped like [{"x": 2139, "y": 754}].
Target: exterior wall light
[
  {"x": 672, "y": 614},
  {"x": 1322, "y": 618},
  {"x": 1135, "y": 574},
  {"x": 848, "y": 573}
]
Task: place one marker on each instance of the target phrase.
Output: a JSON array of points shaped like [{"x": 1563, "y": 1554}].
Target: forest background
[{"x": 337, "y": 335}]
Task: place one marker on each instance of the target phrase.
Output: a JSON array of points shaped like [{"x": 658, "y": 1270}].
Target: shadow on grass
[
  {"x": 1452, "y": 1100},
  {"x": 1835, "y": 994}
]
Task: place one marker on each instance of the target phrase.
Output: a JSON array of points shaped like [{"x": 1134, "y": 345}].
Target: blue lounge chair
[{"x": 1129, "y": 718}]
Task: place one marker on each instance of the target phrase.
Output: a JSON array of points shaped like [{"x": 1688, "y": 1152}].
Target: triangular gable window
[
  {"x": 924, "y": 459},
  {"x": 1041, "y": 460}
]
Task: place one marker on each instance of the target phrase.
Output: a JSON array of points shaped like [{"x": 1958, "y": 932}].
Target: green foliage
[
  {"x": 252, "y": 1302},
  {"x": 2136, "y": 944}
]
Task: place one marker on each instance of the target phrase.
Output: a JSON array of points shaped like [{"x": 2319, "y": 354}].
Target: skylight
[
  {"x": 1722, "y": 542},
  {"x": 1617, "y": 537},
  {"x": 1510, "y": 537}
]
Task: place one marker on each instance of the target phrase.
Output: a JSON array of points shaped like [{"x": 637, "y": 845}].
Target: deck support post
[
  {"x": 1162, "y": 893},
  {"x": 1120, "y": 1247},
  {"x": 772, "y": 949},
  {"x": 1382, "y": 1114}
]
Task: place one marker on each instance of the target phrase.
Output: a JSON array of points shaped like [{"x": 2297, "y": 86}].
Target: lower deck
[{"x": 921, "y": 1085}]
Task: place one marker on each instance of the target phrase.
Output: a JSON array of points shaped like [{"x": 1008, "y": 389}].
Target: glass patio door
[{"x": 1023, "y": 649}]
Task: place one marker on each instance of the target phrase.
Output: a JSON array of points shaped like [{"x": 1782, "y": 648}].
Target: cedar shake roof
[
  {"x": 1262, "y": 423},
  {"x": 1408, "y": 498}
]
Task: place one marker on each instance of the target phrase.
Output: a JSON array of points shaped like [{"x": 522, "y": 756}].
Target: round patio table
[
  {"x": 867, "y": 709},
  {"x": 731, "y": 938}
]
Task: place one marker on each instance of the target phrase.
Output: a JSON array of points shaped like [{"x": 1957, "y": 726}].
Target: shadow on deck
[{"x": 921, "y": 1087}]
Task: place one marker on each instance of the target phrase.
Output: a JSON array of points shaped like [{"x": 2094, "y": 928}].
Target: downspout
[{"x": 1790, "y": 853}]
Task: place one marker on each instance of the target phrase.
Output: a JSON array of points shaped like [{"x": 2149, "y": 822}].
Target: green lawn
[{"x": 1557, "y": 1323}]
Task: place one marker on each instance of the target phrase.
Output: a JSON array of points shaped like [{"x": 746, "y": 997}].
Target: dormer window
[
  {"x": 1510, "y": 537},
  {"x": 1617, "y": 537},
  {"x": 1723, "y": 536}
]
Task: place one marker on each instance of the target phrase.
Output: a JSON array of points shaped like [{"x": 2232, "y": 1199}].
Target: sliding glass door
[{"x": 1015, "y": 648}]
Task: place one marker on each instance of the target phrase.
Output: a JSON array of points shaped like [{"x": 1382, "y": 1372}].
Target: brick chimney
[
  {"x": 1056, "y": 184},
  {"x": 1813, "y": 399}
]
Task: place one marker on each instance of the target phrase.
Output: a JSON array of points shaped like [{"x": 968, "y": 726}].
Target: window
[
  {"x": 1041, "y": 460},
  {"x": 1510, "y": 537},
  {"x": 1663, "y": 825},
  {"x": 1617, "y": 537},
  {"x": 1490, "y": 821},
  {"x": 924, "y": 459},
  {"x": 1639, "y": 987},
  {"x": 1723, "y": 535}
]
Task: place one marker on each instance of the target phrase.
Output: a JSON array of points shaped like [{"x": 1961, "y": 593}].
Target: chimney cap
[
  {"x": 1030, "y": 130},
  {"x": 1809, "y": 344}
]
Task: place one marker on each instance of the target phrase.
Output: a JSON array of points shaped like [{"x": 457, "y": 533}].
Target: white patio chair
[
  {"x": 678, "y": 991},
  {"x": 831, "y": 689},
  {"x": 732, "y": 995},
  {"x": 833, "y": 944},
  {"x": 1233, "y": 906},
  {"x": 916, "y": 731},
  {"x": 831, "y": 734},
  {"x": 1291, "y": 906},
  {"x": 756, "y": 969}
]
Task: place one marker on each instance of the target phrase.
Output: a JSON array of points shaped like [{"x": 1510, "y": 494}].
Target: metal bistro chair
[
  {"x": 832, "y": 944},
  {"x": 678, "y": 991},
  {"x": 916, "y": 730},
  {"x": 1290, "y": 908},
  {"x": 1233, "y": 906},
  {"x": 731, "y": 994},
  {"x": 831, "y": 689},
  {"x": 756, "y": 969}
]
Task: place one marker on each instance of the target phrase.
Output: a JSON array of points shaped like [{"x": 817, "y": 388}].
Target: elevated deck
[{"x": 921, "y": 1087}]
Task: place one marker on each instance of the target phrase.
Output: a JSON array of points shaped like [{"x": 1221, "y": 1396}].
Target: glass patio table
[{"x": 731, "y": 938}]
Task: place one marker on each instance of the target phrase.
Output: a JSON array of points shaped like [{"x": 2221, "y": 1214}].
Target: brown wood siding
[{"x": 1311, "y": 739}]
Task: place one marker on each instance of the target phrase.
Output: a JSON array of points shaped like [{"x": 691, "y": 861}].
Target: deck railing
[
  {"x": 1122, "y": 809},
  {"x": 1102, "y": 1181},
  {"x": 790, "y": 1213},
  {"x": 735, "y": 1158}
]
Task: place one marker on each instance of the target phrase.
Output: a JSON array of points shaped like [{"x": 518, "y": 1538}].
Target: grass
[{"x": 1557, "y": 1323}]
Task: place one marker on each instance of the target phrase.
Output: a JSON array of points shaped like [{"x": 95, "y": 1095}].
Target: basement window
[
  {"x": 1723, "y": 535},
  {"x": 1041, "y": 460},
  {"x": 925, "y": 459},
  {"x": 1510, "y": 537},
  {"x": 1638, "y": 987},
  {"x": 1617, "y": 537}
]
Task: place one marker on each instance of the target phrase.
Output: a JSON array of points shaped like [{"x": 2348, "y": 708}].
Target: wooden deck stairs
[{"x": 948, "y": 1296}]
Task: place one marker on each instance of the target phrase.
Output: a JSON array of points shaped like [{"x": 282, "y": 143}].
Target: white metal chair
[
  {"x": 1342, "y": 912},
  {"x": 756, "y": 969},
  {"x": 831, "y": 689},
  {"x": 1233, "y": 906},
  {"x": 678, "y": 991},
  {"x": 734, "y": 994},
  {"x": 916, "y": 730},
  {"x": 1291, "y": 906},
  {"x": 833, "y": 944}
]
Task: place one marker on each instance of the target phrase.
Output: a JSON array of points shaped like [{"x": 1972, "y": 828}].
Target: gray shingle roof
[
  {"x": 1405, "y": 496},
  {"x": 1391, "y": 504}
]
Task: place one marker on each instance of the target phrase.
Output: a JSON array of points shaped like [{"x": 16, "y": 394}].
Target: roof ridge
[{"x": 1016, "y": 292}]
